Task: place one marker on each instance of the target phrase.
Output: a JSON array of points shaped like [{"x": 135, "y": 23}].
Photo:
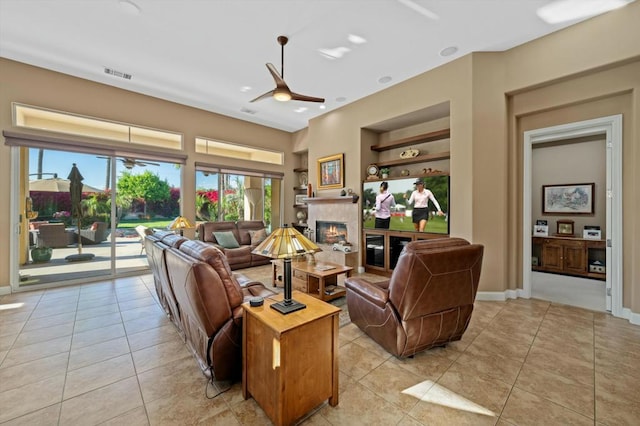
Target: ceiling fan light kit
[{"x": 282, "y": 93}]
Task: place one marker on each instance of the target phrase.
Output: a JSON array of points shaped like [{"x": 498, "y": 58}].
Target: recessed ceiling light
[
  {"x": 129, "y": 7},
  {"x": 245, "y": 89},
  {"x": 300, "y": 109},
  {"x": 323, "y": 106},
  {"x": 384, "y": 80},
  {"x": 568, "y": 10},
  {"x": 341, "y": 99},
  {"x": 448, "y": 51},
  {"x": 356, "y": 39}
]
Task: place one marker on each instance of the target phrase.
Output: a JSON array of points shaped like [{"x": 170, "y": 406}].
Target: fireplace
[{"x": 330, "y": 232}]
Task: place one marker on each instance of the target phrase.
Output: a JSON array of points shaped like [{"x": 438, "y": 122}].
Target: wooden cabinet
[
  {"x": 383, "y": 248},
  {"x": 567, "y": 255},
  {"x": 290, "y": 362}
]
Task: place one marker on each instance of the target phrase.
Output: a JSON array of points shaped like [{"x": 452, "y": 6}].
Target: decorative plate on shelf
[
  {"x": 409, "y": 153},
  {"x": 303, "y": 178}
]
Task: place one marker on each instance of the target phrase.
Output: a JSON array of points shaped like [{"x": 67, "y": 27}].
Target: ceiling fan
[
  {"x": 282, "y": 92},
  {"x": 130, "y": 163}
]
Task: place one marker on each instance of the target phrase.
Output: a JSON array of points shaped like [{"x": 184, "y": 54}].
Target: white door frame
[{"x": 611, "y": 127}]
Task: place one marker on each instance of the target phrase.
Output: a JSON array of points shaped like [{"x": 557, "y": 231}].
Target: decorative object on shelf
[
  {"x": 591, "y": 232},
  {"x": 300, "y": 199},
  {"x": 331, "y": 172},
  {"x": 350, "y": 191},
  {"x": 303, "y": 178},
  {"x": 372, "y": 171},
  {"x": 405, "y": 172},
  {"x": 302, "y": 216},
  {"x": 343, "y": 193},
  {"x": 540, "y": 231},
  {"x": 181, "y": 223},
  {"x": 384, "y": 172},
  {"x": 285, "y": 243},
  {"x": 409, "y": 153},
  {"x": 430, "y": 171},
  {"x": 575, "y": 198},
  {"x": 565, "y": 227},
  {"x": 309, "y": 190}
]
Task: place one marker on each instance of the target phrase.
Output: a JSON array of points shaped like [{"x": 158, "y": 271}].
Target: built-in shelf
[
  {"x": 411, "y": 176},
  {"x": 418, "y": 159},
  {"x": 300, "y": 206},
  {"x": 300, "y": 169},
  {"x": 413, "y": 140},
  {"x": 339, "y": 199}
]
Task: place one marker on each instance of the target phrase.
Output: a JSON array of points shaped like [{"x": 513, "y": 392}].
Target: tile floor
[{"x": 104, "y": 353}]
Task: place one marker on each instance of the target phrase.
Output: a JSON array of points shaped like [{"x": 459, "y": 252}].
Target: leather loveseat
[
  {"x": 203, "y": 298},
  {"x": 427, "y": 301},
  {"x": 247, "y": 234}
]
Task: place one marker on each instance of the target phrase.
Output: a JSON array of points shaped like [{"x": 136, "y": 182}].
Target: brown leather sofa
[
  {"x": 240, "y": 257},
  {"x": 427, "y": 301},
  {"x": 203, "y": 298},
  {"x": 155, "y": 245}
]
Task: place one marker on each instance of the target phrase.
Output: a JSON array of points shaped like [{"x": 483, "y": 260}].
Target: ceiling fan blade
[
  {"x": 263, "y": 96},
  {"x": 299, "y": 97},
  {"x": 276, "y": 76}
]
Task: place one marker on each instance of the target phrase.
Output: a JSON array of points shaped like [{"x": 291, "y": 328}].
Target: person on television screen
[
  {"x": 384, "y": 203},
  {"x": 420, "y": 200}
]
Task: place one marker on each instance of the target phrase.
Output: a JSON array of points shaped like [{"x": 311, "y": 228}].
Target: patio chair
[
  {"x": 52, "y": 235},
  {"x": 96, "y": 234},
  {"x": 143, "y": 231}
]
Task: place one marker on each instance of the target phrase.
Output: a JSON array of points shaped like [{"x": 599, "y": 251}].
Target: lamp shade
[
  {"x": 285, "y": 243},
  {"x": 181, "y": 222}
]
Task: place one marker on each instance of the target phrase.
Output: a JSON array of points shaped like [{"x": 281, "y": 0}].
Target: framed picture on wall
[
  {"x": 569, "y": 199},
  {"x": 331, "y": 172}
]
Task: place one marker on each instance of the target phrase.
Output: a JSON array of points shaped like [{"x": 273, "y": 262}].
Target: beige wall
[
  {"x": 589, "y": 70},
  {"x": 565, "y": 163},
  {"x": 36, "y": 86}
]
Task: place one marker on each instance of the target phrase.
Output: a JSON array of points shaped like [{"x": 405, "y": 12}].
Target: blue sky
[{"x": 92, "y": 168}]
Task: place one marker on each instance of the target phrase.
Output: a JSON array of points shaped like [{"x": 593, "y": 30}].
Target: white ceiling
[{"x": 201, "y": 53}]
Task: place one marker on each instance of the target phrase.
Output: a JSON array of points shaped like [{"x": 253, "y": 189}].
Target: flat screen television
[{"x": 401, "y": 215}]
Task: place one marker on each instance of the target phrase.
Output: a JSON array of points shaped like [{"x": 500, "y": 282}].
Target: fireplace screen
[{"x": 330, "y": 232}]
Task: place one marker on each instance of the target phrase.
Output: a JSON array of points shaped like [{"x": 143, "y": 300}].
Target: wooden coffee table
[{"x": 320, "y": 280}]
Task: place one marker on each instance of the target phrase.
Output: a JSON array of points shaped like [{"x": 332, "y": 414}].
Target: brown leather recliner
[
  {"x": 209, "y": 297},
  {"x": 427, "y": 301}
]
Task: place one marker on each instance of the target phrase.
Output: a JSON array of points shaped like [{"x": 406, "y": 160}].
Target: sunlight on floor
[
  {"x": 429, "y": 391},
  {"x": 8, "y": 306}
]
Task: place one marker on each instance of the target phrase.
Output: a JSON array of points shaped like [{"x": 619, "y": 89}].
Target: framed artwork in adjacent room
[
  {"x": 331, "y": 172},
  {"x": 575, "y": 198}
]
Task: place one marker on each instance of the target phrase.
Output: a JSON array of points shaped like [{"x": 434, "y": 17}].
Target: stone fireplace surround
[{"x": 335, "y": 209}]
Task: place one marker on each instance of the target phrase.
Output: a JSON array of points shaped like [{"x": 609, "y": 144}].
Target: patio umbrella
[
  {"x": 75, "y": 189},
  {"x": 57, "y": 185}
]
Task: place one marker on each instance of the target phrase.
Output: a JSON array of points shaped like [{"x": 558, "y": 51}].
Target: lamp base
[{"x": 286, "y": 308}]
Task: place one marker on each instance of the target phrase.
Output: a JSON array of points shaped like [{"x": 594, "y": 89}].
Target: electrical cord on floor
[{"x": 219, "y": 392}]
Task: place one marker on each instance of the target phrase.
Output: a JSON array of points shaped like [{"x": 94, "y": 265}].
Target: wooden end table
[{"x": 290, "y": 362}]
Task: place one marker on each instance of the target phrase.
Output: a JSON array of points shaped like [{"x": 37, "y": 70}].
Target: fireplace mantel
[{"x": 339, "y": 199}]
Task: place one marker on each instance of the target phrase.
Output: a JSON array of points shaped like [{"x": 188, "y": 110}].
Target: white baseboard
[
  {"x": 500, "y": 296},
  {"x": 5, "y": 289},
  {"x": 632, "y": 317}
]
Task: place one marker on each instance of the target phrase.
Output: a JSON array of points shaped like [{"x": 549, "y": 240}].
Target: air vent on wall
[{"x": 116, "y": 73}]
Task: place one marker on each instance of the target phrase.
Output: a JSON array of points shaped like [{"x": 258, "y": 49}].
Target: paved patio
[{"x": 128, "y": 258}]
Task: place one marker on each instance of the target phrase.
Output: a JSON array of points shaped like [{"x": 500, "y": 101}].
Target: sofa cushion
[
  {"x": 226, "y": 239},
  {"x": 258, "y": 236}
]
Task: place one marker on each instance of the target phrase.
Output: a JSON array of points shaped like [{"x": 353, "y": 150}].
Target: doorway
[{"x": 611, "y": 130}]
